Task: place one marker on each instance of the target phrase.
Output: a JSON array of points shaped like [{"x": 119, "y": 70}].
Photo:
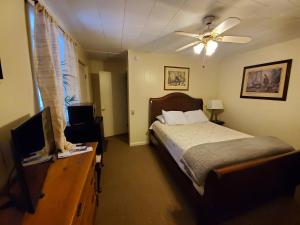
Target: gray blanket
[{"x": 200, "y": 159}]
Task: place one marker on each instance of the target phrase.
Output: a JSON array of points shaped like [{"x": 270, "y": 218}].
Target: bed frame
[{"x": 230, "y": 187}]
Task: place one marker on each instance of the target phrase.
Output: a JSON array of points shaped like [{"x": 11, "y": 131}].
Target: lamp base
[{"x": 214, "y": 114}]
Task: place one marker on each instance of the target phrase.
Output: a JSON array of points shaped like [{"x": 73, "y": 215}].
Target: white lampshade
[
  {"x": 211, "y": 47},
  {"x": 198, "y": 48},
  {"x": 215, "y": 104}
]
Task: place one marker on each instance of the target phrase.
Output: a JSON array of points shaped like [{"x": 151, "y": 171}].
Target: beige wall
[
  {"x": 146, "y": 80},
  {"x": 16, "y": 89},
  {"x": 262, "y": 117},
  {"x": 95, "y": 65},
  {"x": 85, "y": 83},
  {"x": 118, "y": 68}
]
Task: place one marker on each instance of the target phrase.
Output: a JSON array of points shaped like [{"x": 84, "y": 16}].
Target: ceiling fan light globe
[
  {"x": 198, "y": 48},
  {"x": 211, "y": 47}
]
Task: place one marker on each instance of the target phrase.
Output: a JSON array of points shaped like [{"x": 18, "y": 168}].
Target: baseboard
[
  {"x": 124, "y": 133},
  {"x": 132, "y": 144},
  {"x": 118, "y": 134}
]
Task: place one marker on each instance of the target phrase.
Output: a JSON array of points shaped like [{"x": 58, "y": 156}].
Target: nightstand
[{"x": 220, "y": 122}]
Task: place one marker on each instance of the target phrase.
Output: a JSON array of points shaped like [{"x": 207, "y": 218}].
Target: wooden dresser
[{"x": 70, "y": 194}]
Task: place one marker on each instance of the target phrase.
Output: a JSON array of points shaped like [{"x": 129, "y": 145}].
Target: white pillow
[
  {"x": 195, "y": 116},
  {"x": 161, "y": 119},
  {"x": 174, "y": 117}
]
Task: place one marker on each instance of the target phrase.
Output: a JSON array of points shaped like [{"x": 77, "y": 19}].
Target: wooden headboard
[{"x": 173, "y": 102}]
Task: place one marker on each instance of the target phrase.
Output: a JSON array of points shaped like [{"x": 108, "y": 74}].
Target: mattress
[{"x": 179, "y": 138}]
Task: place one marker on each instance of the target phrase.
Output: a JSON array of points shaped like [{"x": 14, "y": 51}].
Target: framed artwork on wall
[
  {"x": 1, "y": 74},
  {"x": 176, "y": 78},
  {"x": 266, "y": 81}
]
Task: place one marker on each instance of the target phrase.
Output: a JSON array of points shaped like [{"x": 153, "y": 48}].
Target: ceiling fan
[{"x": 210, "y": 38}]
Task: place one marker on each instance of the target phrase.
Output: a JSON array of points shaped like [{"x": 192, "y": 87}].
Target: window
[
  {"x": 31, "y": 17},
  {"x": 68, "y": 99}
]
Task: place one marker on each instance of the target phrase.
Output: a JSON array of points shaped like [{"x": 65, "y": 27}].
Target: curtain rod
[{"x": 34, "y": 2}]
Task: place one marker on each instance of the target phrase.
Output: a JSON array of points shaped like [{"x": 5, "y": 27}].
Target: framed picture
[
  {"x": 267, "y": 81},
  {"x": 176, "y": 78},
  {"x": 1, "y": 75}
]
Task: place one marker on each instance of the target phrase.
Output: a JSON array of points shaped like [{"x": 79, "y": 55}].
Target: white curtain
[
  {"x": 48, "y": 72},
  {"x": 70, "y": 73}
]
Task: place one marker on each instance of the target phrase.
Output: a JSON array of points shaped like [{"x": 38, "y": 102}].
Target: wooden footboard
[
  {"x": 253, "y": 181},
  {"x": 243, "y": 184}
]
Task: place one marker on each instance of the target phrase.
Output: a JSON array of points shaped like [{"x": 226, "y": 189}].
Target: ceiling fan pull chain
[{"x": 203, "y": 61}]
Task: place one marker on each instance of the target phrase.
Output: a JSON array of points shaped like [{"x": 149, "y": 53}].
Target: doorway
[
  {"x": 114, "y": 104},
  {"x": 106, "y": 99},
  {"x": 109, "y": 88}
]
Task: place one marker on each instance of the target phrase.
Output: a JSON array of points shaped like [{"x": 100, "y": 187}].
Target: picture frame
[
  {"x": 266, "y": 81},
  {"x": 1, "y": 74},
  {"x": 176, "y": 78}
]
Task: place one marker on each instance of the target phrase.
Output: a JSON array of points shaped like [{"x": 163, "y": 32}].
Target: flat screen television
[{"x": 33, "y": 150}]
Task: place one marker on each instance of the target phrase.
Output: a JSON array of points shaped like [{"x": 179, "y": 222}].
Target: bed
[{"x": 243, "y": 183}]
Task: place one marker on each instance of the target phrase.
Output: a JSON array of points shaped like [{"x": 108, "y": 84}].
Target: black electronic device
[
  {"x": 33, "y": 150},
  {"x": 1, "y": 74},
  {"x": 82, "y": 113}
]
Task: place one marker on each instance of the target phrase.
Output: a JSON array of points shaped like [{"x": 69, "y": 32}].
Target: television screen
[
  {"x": 30, "y": 136},
  {"x": 34, "y": 148}
]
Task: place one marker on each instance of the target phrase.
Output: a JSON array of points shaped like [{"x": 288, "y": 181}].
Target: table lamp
[{"x": 215, "y": 105}]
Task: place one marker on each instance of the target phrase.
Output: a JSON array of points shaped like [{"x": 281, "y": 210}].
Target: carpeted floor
[{"x": 138, "y": 190}]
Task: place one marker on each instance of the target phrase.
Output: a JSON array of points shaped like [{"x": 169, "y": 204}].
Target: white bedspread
[{"x": 179, "y": 138}]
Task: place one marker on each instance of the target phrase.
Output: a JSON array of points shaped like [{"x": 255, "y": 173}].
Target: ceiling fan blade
[
  {"x": 235, "y": 39},
  {"x": 226, "y": 25},
  {"x": 182, "y": 33},
  {"x": 188, "y": 46}
]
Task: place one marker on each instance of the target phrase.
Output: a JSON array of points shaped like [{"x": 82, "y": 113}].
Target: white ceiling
[{"x": 104, "y": 26}]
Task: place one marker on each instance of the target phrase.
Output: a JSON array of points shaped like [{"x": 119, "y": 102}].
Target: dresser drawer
[{"x": 87, "y": 205}]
